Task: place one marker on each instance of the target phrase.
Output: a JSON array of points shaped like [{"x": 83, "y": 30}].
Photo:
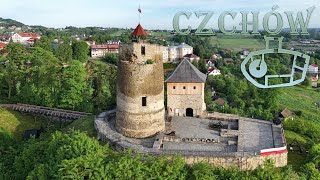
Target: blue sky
[{"x": 155, "y": 14}]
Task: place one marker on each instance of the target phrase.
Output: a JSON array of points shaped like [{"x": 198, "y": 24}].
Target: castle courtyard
[{"x": 220, "y": 139}]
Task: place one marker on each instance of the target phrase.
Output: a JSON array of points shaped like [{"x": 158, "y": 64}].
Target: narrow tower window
[
  {"x": 184, "y": 87},
  {"x": 144, "y": 101},
  {"x": 174, "y": 87},
  {"x": 143, "y": 50}
]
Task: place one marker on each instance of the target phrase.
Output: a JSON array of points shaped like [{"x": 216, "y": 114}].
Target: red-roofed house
[
  {"x": 191, "y": 57},
  {"x": 213, "y": 71},
  {"x": 25, "y": 38},
  {"x": 2, "y": 46},
  {"x": 98, "y": 51}
]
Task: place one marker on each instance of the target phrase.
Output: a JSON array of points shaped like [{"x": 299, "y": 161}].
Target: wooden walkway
[{"x": 45, "y": 111}]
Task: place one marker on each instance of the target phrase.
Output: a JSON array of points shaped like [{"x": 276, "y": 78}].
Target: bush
[
  {"x": 111, "y": 59},
  {"x": 149, "y": 61},
  {"x": 304, "y": 127},
  {"x": 202, "y": 171},
  {"x": 169, "y": 66},
  {"x": 307, "y": 82},
  {"x": 298, "y": 113}
]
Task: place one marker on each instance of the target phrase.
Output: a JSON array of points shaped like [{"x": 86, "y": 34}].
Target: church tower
[{"x": 140, "y": 88}]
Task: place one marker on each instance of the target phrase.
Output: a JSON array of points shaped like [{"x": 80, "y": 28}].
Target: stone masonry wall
[
  {"x": 132, "y": 52},
  {"x": 243, "y": 163},
  {"x": 185, "y": 98},
  {"x": 182, "y": 102}
]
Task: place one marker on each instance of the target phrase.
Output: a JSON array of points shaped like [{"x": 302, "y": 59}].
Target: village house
[
  {"x": 99, "y": 51},
  {"x": 176, "y": 53},
  {"x": 286, "y": 114},
  {"x": 228, "y": 60},
  {"x": 191, "y": 57},
  {"x": 313, "y": 71},
  {"x": 12, "y": 27},
  {"x": 313, "y": 68},
  {"x": 185, "y": 91},
  {"x": 210, "y": 62},
  {"x": 165, "y": 54},
  {"x": 244, "y": 54},
  {"x": 25, "y": 38},
  {"x": 114, "y": 42},
  {"x": 216, "y": 57},
  {"x": 220, "y": 102},
  {"x": 213, "y": 71},
  {"x": 90, "y": 43}
]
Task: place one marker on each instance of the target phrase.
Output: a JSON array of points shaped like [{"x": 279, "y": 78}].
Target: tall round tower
[{"x": 140, "y": 89}]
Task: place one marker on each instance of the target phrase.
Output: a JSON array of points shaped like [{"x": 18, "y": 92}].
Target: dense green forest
[
  {"x": 74, "y": 155},
  {"x": 61, "y": 77}
]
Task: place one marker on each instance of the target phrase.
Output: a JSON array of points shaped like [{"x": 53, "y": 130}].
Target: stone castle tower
[{"x": 140, "y": 89}]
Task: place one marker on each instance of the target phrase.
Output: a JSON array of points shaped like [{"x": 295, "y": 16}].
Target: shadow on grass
[{"x": 295, "y": 158}]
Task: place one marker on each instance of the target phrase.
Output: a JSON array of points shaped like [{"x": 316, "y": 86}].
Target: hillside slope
[
  {"x": 10, "y": 22},
  {"x": 302, "y": 99}
]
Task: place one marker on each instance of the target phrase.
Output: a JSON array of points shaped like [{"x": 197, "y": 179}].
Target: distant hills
[{"x": 10, "y": 22}]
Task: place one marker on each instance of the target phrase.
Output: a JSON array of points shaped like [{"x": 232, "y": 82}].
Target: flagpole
[{"x": 139, "y": 11}]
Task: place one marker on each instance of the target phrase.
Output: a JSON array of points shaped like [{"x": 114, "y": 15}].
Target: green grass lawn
[
  {"x": 295, "y": 158},
  {"x": 237, "y": 44},
  {"x": 85, "y": 124},
  {"x": 119, "y": 32},
  {"x": 16, "y": 123},
  {"x": 301, "y": 99}
]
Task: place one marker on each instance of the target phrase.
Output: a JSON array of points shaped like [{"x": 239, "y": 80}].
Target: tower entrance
[{"x": 189, "y": 112}]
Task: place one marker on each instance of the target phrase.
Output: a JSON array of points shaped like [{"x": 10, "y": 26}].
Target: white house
[
  {"x": 213, "y": 71},
  {"x": 313, "y": 68},
  {"x": 313, "y": 72},
  {"x": 245, "y": 53},
  {"x": 165, "y": 55},
  {"x": 184, "y": 49},
  {"x": 25, "y": 38},
  {"x": 176, "y": 53},
  {"x": 210, "y": 62}
]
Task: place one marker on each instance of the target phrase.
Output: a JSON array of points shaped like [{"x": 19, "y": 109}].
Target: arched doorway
[{"x": 189, "y": 112}]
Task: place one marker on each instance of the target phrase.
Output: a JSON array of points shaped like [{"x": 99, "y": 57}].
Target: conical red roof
[{"x": 139, "y": 31}]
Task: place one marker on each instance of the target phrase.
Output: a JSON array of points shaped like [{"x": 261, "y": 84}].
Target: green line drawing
[{"x": 258, "y": 67}]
